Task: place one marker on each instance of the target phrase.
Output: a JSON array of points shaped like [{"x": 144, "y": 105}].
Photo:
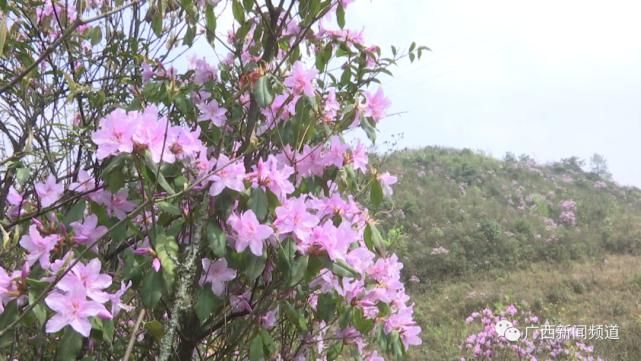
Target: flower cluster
[
  {"x": 568, "y": 213},
  {"x": 488, "y": 344},
  {"x": 225, "y": 193}
]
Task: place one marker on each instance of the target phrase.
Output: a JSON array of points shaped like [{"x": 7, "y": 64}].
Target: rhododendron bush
[
  {"x": 163, "y": 204},
  {"x": 489, "y": 339}
]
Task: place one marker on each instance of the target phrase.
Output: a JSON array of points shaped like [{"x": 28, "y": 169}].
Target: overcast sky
[{"x": 549, "y": 78}]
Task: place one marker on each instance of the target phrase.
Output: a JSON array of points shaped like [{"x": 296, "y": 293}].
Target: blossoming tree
[{"x": 212, "y": 210}]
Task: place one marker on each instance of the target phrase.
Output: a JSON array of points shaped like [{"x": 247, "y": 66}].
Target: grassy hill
[
  {"x": 477, "y": 232},
  {"x": 457, "y": 211}
]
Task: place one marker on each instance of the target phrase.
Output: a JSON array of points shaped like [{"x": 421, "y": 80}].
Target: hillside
[
  {"x": 477, "y": 232},
  {"x": 457, "y": 211}
]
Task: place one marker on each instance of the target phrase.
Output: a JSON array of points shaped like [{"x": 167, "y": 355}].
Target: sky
[{"x": 551, "y": 79}]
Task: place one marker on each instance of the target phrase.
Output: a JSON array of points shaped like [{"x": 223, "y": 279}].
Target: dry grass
[{"x": 606, "y": 291}]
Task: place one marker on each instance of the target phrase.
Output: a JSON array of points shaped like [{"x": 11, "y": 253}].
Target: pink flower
[
  {"x": 212, "y": 112},
  {"x": 403, "y": 322},
  {"x": 88, "y": 231},
  {"x": 293, "y": 217},
  {"x": 147, "y": 72},
  {"x": 270, "y": 174},
  {"x": 73, "y": 309},
  {"x": 116, "y": 300},
  {"x": 249, "y": 232},
  {"x": 269, "y": 319},
  {"x": 228, "y": 174},
  {"x": 203, "y": 71},
  {"x": 85, "y": 183},
  {"x": 14, "y": 197},
  {"x": 324, "y": 238},
  {"x": 336, "y": 154},
  {"x": 49, "y": 191},
  {"x": 9, "y": 287},
  {"x": 376, "y": 104},
  {"x": 359, "y": 158},
  {"x": 300, "y": 81},
  {"x": 387, "y": 180},
  {"x": 373, "y": 356},
  {"x": 217, "y": 274},
  {"x": 360, "y": 259},
  {"x": 114, "y": 135},
  {"x": 117, "y": 204},
  {"x": 90, "y": 278},
  {"x": 331, "y": 106},
  {"x": 38, "y": 247}
]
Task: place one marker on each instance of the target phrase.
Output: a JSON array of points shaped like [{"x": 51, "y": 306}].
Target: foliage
[
  {"x": 463, "y": 212},
  {"x": 153, "y": 211}
]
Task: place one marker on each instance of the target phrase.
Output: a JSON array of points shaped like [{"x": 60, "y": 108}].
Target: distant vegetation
[
  {"x": 458, "y": 211},
  {"x": 561, "y": 240}
]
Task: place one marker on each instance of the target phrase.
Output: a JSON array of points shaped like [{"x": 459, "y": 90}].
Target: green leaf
[
  {"x": 156, "y": 21},
  {"x": 95, "y": 35},
  {"x": 295, "y": 316},
  {"x": 206, "y": 303},
  {"x": 262, "y": 93},
  {"x": 342, "y": 269},
  {"x": 75, "y": 213},
  {"x": 369, "y": 129},
  {"x": 238, "y": 11},
  {"x": 39, "y": 311},
  {"x": 9, "y": 315},
  {"x": 151, "y": 288},
  {"x": 334, "y": 351},
  {"x": 376, "y": 193},
  {"x": 216, "y": 239},
  {"x": 115, "y": 180},
  {"x": 69, "y": 346},
  {"x": 3, "y": 32},
  {"x": 373, "y": 239},
  {"x": 166, "y": 248},
  {"x": 268, "y": 342},
  {"x": 169, "y": 208},
  {"x": 156, "y": 329},
  {"x": 340, "y": 16},
  {"x": 258, "y": 203},
  {"x": 210, "y": 23},
  {"x": 22, "y": 175},
  {"x": 108, "y": 330},
  {"x": 362, "y": 324},
  {"x": 326, "y": 307},
  {"x": 297, "y": 271},
  {"x": 256, "y": 349},
  {"x": 254, "y": 266}
]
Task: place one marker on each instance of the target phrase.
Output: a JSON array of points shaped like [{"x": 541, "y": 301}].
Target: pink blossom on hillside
[
  {"x": 114, "y": 135},
  {"x": 248, "y": 232},
  {"x": 49, "y": 191},
  {"x": 203, "y": 71},
  {"x": 292, "y": 217},
  {"x": 72, "y": 308},
  {"x": 301, "y": 80},
  {"x": 217, "y": 274},
  {"x": 39, "y": 247},
  {"x": 271, "y": 174},
  {"x": 212, "y": 112},
  {"x": 228, "y": 174},
  {"x": 91, "y": 279},
  {"x": 387, "y": 180},
  {"x": 116, "y": 204},
  {"x": 376, "y": 104},
  {"x": 87, "y": 231}
]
